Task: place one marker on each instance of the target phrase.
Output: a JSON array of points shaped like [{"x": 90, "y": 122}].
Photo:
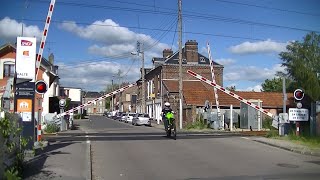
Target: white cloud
[
  {"x": 225, "y": 62},
  {"x": 113, "y": 38},
  {"x": 10, "y": 29},
  {"x": 95, "y": 76},
  {"x": 256, "y": 88},
  {"x": 251, "y": 73},
  {"x": 267, "y": 46}
]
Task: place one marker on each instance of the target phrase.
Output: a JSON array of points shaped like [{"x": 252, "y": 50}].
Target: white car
[
  {"x": 123, "y": 117},
  {"x": 129, "y": 117},
  {"x": 141, "y": 119}
]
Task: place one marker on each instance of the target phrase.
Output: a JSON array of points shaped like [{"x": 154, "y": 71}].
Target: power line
[
  {"x": 266, "y": 7},
  {"x": 173, "y": 13},
  {"x": 133, "y": 27}
]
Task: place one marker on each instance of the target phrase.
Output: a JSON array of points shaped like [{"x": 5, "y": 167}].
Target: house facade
[
  {"x": 95, "y": 108},
  {"x": 48, "y": 72},
  {"x": 74, "y": 94},
  {"x": 165, "y": 71}
]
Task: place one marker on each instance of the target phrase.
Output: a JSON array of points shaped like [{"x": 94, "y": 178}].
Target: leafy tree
[
  {"x": 302, "y": 64},
  {"x": 272, "y": 85}
]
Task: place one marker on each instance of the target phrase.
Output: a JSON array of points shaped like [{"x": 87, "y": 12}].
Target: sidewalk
[
  {"x": 64, "y": 158},
  {"x": 287, "y": 145}
]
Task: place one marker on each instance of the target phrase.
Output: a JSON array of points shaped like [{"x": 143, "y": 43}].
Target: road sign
[
  {"x": 284, "y": 118},
  {"x": 298, "y": 114},
  {"x": 25, "y": 89},
  {"x": 275, "y": 122},
  {"x": 62, "y": 102},
  {"x": 26, "y": 58}
]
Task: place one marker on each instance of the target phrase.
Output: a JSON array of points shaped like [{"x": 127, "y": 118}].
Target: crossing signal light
[
  {"x": 41, "y": 87},
  {"x": 298, "y": 94}
]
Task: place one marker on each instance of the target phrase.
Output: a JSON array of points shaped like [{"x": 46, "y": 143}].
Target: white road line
[
  {"x": 87, "y": 136},
  {"x": 88, "y": 141},
  {"x": 245, "y": 138}
]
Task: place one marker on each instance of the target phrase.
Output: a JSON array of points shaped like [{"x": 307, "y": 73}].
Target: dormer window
[{"x": 202, "y": 59}]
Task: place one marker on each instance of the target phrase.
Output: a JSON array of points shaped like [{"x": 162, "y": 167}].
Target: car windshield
[
  {"x": 131, "y": 114},
  {"x": 144, "y": 115}
]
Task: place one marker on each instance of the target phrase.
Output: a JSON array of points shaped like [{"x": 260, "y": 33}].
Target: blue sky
[{"x": 92, "y": 39}]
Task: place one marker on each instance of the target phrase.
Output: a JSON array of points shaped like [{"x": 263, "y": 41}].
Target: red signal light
[
  {"x": 41, "y": 87},
  {"x": 298, "y": 94}
]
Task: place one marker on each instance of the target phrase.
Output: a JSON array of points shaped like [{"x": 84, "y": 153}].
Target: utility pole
[
  {"x": 180, "y": 63},
  {"x": 140, "y": 50},
  {"x": 112, "y": 95}
]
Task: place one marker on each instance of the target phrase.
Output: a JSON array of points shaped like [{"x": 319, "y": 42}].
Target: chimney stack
[
  {"x": 191, "y": 52},
  {"x": 167, "y": 52}
]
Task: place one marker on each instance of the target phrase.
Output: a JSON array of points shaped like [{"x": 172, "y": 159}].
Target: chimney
[
  {"x": 51, "y": 58},
  {"x": 167, "y": 52},
  {"x": 191, "y": 52}
]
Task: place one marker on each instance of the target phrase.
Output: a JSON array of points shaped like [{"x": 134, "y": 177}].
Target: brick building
[
  {"x": 166, "y": 70},
  {"x": 95, "y": 108}
]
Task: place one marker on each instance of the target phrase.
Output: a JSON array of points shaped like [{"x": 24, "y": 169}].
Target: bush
[
  {"x": 199, "y": 124},
  {"x": 52, "y": 128},
  {"x": 267, "y": 123}
]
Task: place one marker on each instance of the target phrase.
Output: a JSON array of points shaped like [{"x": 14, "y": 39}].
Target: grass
[
  {"x": 308, "y": 141},
  {"x": 199, "y": 124}
]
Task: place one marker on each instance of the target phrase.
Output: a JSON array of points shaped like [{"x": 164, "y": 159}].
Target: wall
[{"x": 172, "y": 72}]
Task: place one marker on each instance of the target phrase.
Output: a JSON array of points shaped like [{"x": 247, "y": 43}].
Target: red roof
[{"x": 197, "y": 92}]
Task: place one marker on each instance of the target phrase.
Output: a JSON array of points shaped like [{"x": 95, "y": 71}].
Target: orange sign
[{"x": 24, "y": 105}]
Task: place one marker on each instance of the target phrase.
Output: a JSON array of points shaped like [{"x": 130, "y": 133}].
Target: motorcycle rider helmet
[{"x": 167, "y": 104}]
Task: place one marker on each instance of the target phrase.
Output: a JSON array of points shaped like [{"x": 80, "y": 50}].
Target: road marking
[
  {"x": 245, "y": 138},
  {"x": 88, "y": 141},
  {"x": 87, "y": 136}
]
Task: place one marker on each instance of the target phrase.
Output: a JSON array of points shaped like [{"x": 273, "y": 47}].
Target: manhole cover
[{"x": 287, "y": 165}]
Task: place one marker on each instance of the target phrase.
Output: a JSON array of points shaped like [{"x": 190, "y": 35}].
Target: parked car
[
  {"x": 129, "y": 117},
  {"x": 141, "y": 119},
  {"x": 118, "y": 116},
  {"x": 123, "y": 117}
]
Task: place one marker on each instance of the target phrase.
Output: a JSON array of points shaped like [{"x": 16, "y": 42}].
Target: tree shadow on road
[{"x": 35, "y": 167}]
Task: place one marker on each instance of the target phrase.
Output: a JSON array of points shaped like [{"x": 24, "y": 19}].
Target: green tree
[
  {"x": 272, "y": 85},
  {"x": 302, "y": 64}
]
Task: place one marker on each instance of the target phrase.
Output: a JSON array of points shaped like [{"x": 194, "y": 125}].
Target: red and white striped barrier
[
  {"x": 95, "y": 100},
  {"x": 229, "y": 93},
  {"x": 44, "y": 37},
  {"x": 213, "y": 80},
  {"x": 39, "y": 133}
]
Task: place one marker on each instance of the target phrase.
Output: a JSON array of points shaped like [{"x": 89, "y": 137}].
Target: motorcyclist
[{"x": 165, "y": 110}]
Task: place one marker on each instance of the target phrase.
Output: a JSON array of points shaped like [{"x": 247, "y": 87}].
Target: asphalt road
[{"x": 122, "y": 151}]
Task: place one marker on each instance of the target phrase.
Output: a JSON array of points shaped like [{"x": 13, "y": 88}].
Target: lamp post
[{"x": 139, "y": 51}]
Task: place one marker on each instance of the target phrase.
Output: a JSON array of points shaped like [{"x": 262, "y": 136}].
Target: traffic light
[
  {"x": 41, "y": 87},
  {"x": 298, "y": 94}
]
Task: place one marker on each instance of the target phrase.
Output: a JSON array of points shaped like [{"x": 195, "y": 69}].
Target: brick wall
[{"x": 172, "y": 72}]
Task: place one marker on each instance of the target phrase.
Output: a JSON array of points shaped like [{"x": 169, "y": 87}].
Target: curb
[{"x": 311, "y": 153}]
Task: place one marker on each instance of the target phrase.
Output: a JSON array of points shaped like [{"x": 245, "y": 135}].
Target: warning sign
[{"x": 24, "y": 105}]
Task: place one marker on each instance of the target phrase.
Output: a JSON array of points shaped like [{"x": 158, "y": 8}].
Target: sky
[{"x": 93, "y": 39}]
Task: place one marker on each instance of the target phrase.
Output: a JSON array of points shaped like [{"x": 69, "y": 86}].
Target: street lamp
[{"x": 142, "y": 78}]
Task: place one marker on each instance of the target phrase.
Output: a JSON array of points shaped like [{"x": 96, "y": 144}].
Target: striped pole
[
  {"x": 95, "y": 100},
  {"x": 214, "y": 80},
  {"x": 44, "y": 37},
  {"x": 203, "y": 79},
  {"x": 39, "y": 133}
]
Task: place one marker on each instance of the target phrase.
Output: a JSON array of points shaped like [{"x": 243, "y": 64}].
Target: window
[
  {"x": 8, "y": 70},
  {"x": 100, "y": 103},
  {"x": 89, "y": 110},
  {"x": 202, "y": 59}
]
